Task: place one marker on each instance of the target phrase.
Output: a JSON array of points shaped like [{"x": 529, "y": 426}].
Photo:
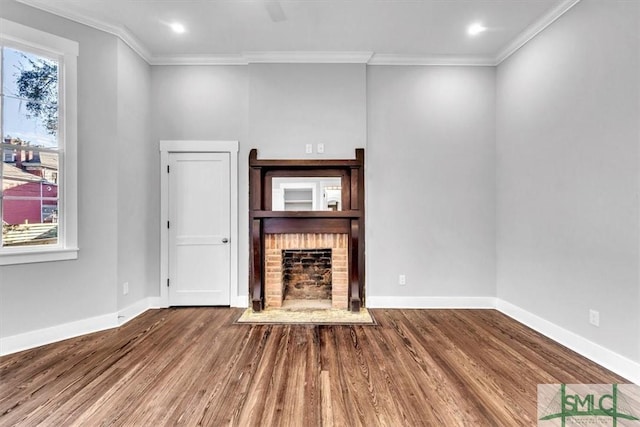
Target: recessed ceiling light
[
  {"x": 475, "y": 29},
  {"x": 177, "y": 27}
]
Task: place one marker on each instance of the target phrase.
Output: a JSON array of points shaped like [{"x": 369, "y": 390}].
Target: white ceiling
[{"x": 373, "y": 31}]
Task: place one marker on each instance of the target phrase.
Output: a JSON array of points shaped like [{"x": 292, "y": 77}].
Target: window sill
[{"x": 42, "y": 255}]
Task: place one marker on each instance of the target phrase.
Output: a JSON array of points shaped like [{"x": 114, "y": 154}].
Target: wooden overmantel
[{"x": 350, "y": 220}]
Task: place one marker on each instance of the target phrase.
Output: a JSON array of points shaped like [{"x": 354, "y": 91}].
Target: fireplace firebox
[{"x": 306, "y": 274}]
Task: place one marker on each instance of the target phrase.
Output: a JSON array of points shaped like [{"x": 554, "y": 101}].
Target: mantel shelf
[
  {"x": 305, "y": 214},
  {"x": 304, "y": 164}
]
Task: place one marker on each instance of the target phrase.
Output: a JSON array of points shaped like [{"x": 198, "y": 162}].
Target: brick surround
[{"x": 275, "y": 243}]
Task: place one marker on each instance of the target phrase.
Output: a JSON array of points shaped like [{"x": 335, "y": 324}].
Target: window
[{"x": 38, "y": 185}]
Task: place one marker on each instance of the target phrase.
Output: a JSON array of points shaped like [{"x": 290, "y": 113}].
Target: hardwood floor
[{"x": 193, "y": 366}]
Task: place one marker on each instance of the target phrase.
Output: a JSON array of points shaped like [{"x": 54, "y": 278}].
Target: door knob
[{"x": 225, "y": 240}]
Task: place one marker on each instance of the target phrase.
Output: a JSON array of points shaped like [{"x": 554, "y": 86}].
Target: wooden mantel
[{"x": 350, "y": 220}]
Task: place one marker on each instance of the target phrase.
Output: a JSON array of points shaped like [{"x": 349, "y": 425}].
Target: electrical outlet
[
  {"x": 125, "y": 288},
  {"x": 402, "y": 280},
  {"x": 320, "y": 148},
  {"x": 594, "y": 317},
  {"x": 308, "y": 148}
]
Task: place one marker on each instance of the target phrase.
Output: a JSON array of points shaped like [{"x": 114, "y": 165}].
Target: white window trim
[{"x": 67, "y": 248}]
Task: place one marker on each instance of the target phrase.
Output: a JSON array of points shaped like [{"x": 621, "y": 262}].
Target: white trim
[
  {"x": 32, "y": 339},
  {"x": 435, "y": 60},
  {"x": 240, "y": 301},
  {"x": 41, "y": 40},
  {"x": 199, "y": 60},
  {"x": 198, "y": 146},
  {"x": 430, "y": 302},
  {"x": 595, "y": 352},
  {"x": 609, "y": 359},
  {"x": 337, "y": 57},
  {"x": 67, "y": 247},
  {"x": 164, "y": 236},
  {"x": 155, "y": 302},
  {"x": 28, "y": 257},
  {"x": 308, "y": 57},
  {"x": 102, "y": 25},
  {"x": 534, "y": 29},
  {"x": 134, "y": 310}
]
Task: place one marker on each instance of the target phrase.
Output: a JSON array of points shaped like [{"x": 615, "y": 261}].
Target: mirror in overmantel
[{"x": 306, "y": 194}]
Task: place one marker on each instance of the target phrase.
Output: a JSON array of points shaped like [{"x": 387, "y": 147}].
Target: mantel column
[
  {"x": 257, "y": 299},
  {"x": 354, "y": 269}
]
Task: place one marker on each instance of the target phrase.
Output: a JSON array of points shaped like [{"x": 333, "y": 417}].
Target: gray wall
[
  {"x": 35, "y": 296},
  {"x": 199, "y": 102},
  {"x": 431, "y": 181},
  {"x": 206, "y": 103},
  {"x": 117, "y": 199},
  {"x": 138, "y": 208},
  {"x": 274, "y": 108},
  {"x": 567, "y": 168},
  {"x": 430, "y": 154},
  {"x": 291, "y": 105}
]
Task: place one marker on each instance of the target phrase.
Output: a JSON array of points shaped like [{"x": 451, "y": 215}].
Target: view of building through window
[{"x": 30, "y": 149}]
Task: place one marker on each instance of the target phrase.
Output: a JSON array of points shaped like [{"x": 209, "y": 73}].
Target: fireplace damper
[{"x": 306, "y": 274}]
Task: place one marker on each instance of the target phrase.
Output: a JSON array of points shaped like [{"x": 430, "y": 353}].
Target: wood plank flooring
[{"x": 194, "y": 367}]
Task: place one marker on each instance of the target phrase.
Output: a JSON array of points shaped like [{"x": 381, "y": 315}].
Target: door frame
[{"x": 198, "y": 146}]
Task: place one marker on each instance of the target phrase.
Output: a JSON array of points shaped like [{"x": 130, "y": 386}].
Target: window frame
[{"x": 19, "y": 36}]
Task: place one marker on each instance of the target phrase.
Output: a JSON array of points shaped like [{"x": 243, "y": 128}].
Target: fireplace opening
[
  {"x": 306, "y": 275},
  {"x": 306, "y": 271}
]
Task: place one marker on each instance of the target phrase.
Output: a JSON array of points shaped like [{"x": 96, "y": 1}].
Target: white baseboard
[
  {"x": 32, "y": 339},
  {"x": 609, "y": 359},
  {"x": 613, "y": 361},
  {"x": 240, "y": 301},
  {"x": 156, "y": 302},
  {"x": 430, "y": 302},
  {"x": 595, "y": 352},
  {"x": 135, "y": 310}
]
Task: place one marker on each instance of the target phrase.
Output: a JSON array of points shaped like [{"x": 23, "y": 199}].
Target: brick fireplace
[
  {"x": 306, "y": 223},
  {"x": 275, "y": 281}
]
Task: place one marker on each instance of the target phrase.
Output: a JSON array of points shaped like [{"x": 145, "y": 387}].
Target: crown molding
[
  {"x": 119, "y": 31},
  {"x": 307, "y": 57},
  {"x": 199, "y": 60},
  {"x": 367, "y": 58},
  {"x": 534, "y": 29},
  {"x": 246, "y": 58},
  {"x": 439, "y": 60}
]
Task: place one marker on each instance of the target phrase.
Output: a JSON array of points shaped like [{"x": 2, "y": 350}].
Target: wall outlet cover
[{"x": 594, "y": 317}]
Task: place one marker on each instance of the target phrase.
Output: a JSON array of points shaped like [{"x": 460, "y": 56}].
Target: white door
[{"x": 199, "y": 229}]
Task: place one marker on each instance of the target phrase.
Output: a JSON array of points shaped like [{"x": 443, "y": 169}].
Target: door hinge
[
  {"x": 167, "y": 168},
  {"x": 167, "y": 282},
  {"x": 168, "y": 224}
]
